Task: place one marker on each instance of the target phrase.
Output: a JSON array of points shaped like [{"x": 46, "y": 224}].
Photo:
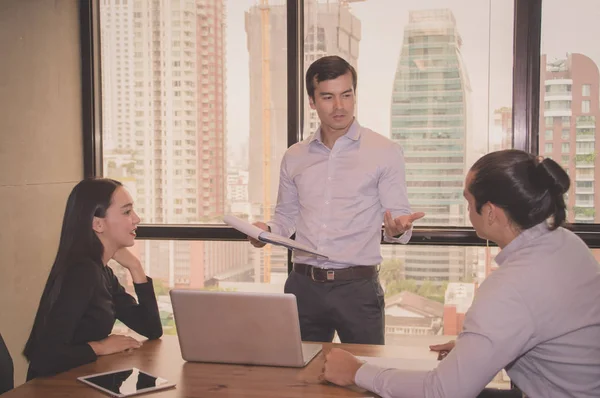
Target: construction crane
[{"x": 266, "y": 124}]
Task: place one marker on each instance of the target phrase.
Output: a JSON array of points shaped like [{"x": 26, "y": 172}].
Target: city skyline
[
  {"x": 379, "y": 19},
  {"x": 385, "y": 19}
]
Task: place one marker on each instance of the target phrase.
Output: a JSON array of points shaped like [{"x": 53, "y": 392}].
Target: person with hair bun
[{"x": 537, "y": 316}]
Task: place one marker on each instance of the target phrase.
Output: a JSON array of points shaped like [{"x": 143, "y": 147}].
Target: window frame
[{"x": 525, "y": 129}]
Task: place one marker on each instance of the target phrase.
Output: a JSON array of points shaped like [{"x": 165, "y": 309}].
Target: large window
[
  {"x": 570, "y": 90},
  {"x": 194, "y": 122},
  {"x": 198, "y": 102}
]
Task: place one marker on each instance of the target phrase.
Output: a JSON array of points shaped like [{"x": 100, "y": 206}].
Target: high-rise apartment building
[
  {"x": 159, "y": 80},
  {"x": 569, "y": 120},
  {"x": 211, "y": 117}
]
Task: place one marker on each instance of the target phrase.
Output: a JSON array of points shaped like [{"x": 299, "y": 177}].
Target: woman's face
[{"x": 120, "y": 222}]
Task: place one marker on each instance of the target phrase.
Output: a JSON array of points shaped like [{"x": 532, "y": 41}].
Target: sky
[{"x": 486, "y": 27}]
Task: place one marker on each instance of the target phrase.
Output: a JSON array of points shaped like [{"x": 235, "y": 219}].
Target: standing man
[{"x": 335, "y": 190}]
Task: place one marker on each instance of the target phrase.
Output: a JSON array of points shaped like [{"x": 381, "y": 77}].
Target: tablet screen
[{"x": 126, "y": 382}]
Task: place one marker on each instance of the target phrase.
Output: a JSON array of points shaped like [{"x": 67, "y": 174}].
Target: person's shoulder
[
  {"x": 565, "y": 234},
  {"x": 298, "y": 149},
  {"x": 84, "y": 271},
  {"x": 551, "y": 246},
  {"x": 387, "y": 151},
  {"x": 571, "y": 248},
  {"x": 502, "y": 285},
  {"x": 376, "y": 139}
]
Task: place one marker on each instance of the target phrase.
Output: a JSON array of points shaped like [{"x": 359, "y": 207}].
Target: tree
[
  {"x": 586, "y": 159},
  {"x": 393, "y": 277},
  {"x": 432, "y": 292},
  {"x": 443, "y": 288},
  {"x": 584, "y": 211},
  {"x": 391, "y": 271},
  {"x": 427, "y": 289},
  {"x": 397, "y": 286},
  {"x": 170, "y": 329},
  {"x": 159, "y": 287}
]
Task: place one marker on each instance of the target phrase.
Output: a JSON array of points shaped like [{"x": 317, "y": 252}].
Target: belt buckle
[{"x": 330, "y": 275}]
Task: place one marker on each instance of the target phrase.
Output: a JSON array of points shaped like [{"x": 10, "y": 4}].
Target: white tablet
[{"x": 126, "y": 382}]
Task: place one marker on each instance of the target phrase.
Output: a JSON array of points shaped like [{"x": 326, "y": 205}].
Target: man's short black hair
[{"x": 327, "y": 68}]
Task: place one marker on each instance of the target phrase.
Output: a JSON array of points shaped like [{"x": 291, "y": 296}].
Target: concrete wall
[{"x": 40, "y": 152}]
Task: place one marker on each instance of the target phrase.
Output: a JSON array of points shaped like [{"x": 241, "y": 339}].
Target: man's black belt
[{"x": 332, "y": 274}]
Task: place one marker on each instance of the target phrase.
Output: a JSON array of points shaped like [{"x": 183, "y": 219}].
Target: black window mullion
[
  {"x": 526, "y": 74},
  {"x": 295, "y": 72},
  {"x": 89, "y": 42}
]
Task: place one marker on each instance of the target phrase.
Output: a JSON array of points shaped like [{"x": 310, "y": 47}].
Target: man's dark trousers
[{"x": 354, "y": 308}]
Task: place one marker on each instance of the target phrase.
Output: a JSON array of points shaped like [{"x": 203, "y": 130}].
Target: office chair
[{"x": 7, "y": 371}]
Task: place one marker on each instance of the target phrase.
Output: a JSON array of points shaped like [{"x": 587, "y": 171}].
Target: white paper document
[{"x": 268, "y": 237}]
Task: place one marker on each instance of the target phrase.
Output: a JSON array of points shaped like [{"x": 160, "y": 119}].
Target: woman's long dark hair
[
  {"x": 529, "y": 189},
  {"x": 78, "y": 242}
]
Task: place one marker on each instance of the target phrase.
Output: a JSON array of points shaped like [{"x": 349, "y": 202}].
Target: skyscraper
[
  {"x": 211, "y": 118},
  {"x": 118, "y": 96},
  {"x": 430, "y": 120},
  {"x": 569, "y": 120},
  {"x": 162, "y": 71}
]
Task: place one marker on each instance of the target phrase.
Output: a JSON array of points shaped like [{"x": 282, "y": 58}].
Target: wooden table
[{"x": 162, "y": 358}]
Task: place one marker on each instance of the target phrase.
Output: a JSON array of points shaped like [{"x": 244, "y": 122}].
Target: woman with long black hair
[{"x": 82, "y": 297}]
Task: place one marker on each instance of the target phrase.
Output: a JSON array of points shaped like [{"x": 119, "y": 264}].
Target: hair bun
[{"x": 552, "y": 176}]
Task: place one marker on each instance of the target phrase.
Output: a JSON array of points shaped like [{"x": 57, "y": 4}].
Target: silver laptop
[{"x": 240, "y": 328}]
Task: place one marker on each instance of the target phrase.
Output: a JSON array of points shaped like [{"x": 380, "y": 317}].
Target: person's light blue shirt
[
  {"x": 537, "y": 316},
  {"x": 335, "y": 200}
]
